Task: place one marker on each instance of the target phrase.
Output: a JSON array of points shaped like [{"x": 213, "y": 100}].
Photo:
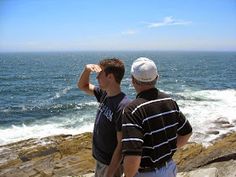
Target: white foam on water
[
  {"x": 39, "y": 130},
  {"x": 62, "y": 92},
  {"x": 211, "y": 113},
  {"x": 71, "y": 123}
]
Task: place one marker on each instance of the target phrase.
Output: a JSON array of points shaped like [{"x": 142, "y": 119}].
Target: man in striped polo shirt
[{"x": 153, "y": 127}]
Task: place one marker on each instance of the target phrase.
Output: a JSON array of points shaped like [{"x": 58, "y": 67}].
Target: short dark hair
[
  {"x": 113, "y": 66},
  {"x": 145, "y": 83}
]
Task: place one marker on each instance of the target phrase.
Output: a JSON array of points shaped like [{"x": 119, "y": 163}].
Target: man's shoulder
[
  {"x": 162, "y": 94},
  {"x": 134, "y": 104},
  {"x": 99, "y": 94},
  {"x": 124, "y": 101}
]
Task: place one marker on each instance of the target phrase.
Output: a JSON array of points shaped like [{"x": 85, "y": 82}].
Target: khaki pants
[{"x": 100, "y": 170}]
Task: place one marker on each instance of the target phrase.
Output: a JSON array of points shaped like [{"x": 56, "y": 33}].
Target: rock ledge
[{"x": 67, "y": 155}]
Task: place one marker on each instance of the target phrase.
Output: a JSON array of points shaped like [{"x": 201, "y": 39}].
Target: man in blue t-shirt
[{"x": 107, "y": 127}]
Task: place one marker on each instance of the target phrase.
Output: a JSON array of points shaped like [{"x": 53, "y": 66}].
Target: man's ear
[
  {"x": 133, "y": 80},
  {"x": 110, "y": 76}
]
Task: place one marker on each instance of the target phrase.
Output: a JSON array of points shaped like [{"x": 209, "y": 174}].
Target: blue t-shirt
[{"x": 108, "y": 122}]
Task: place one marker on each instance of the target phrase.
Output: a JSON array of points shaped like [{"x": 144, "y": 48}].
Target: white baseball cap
[{"x": 144, "y": 70}]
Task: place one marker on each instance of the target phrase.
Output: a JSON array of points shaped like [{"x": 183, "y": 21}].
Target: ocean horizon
[{"x": 39, "y": 96}]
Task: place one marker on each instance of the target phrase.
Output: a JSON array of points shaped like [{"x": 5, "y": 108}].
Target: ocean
[{"x": 39, "y": 96}]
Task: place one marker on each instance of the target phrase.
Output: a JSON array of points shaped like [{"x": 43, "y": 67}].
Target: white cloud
[
  {"x": 168, "y": 21},
  {"x": 129, "y": 32}
]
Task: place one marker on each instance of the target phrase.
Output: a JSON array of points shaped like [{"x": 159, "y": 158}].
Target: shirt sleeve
[
  {"x": 184, "y": 126},
  {"x": 98, "y": 94},
  {"x": 132, "y": 136},
  {"x": 118, "y": 120},
  {"x": 119, "y": 113}
]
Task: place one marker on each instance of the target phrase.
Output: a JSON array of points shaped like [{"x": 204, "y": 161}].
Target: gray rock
[{"x": 205, "y": 172}]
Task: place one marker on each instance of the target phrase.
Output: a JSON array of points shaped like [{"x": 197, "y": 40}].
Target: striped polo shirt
[{"x": 150, "y": 126}]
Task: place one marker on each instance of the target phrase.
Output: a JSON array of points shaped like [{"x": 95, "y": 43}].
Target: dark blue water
[{"x": 39, "y": 89}]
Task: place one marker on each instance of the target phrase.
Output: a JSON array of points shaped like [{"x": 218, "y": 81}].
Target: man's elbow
[
  {"x": 189, "y": 135},
  {"x": 182, "y": 140},
  {"x": 82, "y": 87},
  {"x": 79, "y": 86}
]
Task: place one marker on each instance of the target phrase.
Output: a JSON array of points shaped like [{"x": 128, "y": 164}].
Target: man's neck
[
  {"x": 113, "y": 91},
  {"x": 143, "y": 88}
]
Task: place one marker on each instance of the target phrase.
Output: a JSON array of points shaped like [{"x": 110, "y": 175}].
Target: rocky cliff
[{"x": 67, "y": 155}]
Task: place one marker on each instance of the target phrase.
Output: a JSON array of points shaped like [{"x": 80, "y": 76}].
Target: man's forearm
[
  {"x": 116, "y": 157},
  {"x": 115, "y": 162},
  {"x": 84, "y": 79},
  {"x": 131, "y": 165},
  {"x": 84, "y": 83}
]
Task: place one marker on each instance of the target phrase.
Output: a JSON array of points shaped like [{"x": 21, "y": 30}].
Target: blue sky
[{"x": 74, "y": 25}]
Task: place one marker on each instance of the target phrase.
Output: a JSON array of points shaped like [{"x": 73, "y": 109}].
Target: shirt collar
[{"x": 150, "y": 93}]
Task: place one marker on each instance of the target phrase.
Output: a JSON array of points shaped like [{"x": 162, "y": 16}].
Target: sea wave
[
  {"x": 228, "y": 95},
  {"x": 50, "y": 108},
  {"x": 20, "y": 132},
  {"x": 61, "y": 93},
  {"x": 33, "y": 113},
  {"x": 211, "y": 112}
]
